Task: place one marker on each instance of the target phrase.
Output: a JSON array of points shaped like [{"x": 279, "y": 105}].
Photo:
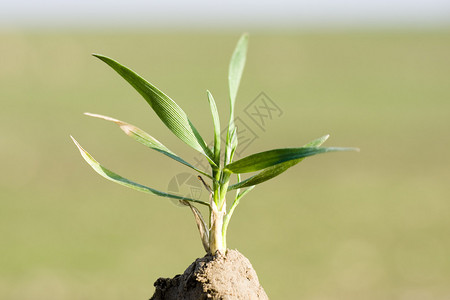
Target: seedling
[{"x": 267, "y": 164}]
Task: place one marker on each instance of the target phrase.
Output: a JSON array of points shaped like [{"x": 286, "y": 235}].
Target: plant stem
[
  {"x": 215, "y": 236},
  {"x": 218, "y": 212}
]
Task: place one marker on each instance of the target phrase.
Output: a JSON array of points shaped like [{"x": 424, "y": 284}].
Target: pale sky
[{"x": 223, "y": 14}]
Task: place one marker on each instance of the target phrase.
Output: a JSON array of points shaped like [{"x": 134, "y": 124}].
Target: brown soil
[{"x": 229, "y": 276}]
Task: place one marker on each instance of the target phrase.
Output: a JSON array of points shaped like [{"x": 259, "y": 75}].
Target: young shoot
[{"x": 265, "y": 165}]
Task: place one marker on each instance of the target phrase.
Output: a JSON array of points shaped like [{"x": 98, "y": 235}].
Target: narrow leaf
[
  {"x": 232, "y": 142},
  {"x": 216, "y": 122},
  {"x": 276, "y": 170},
  {"x": 167, "y": 110},
  {"x": 147, "y": 140},
  {"x": 266, "y": 174},
  {"x": 236, "y": 67},
  {"x": 270, "y": 158},
  {"x": 125, "y": 182},
  {"x": 235, "y": 71}
]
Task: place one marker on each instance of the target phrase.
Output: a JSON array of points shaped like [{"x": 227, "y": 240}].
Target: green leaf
[
  {"x": 125, "y": 182},
  {"x": 147, "y": 140},
  {"x": 236, "y": 67},
  {"x": 232, "y": 142},
  {"x": 216, "y": 122},
  {"x": 270, "y": 158},
  {"x": 167, "y": 110},
  {"x": 276, "y": 170},
  {"x": 235, "y": 71}
]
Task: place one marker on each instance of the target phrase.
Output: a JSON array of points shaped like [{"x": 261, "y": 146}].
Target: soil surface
[{"x": 225, "y": 277}]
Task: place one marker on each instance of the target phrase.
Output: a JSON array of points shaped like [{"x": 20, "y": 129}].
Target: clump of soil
[{"x": 229, "y": 276}]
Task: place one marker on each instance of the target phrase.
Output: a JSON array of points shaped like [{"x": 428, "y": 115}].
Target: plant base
[{"x": 229, "y": 276}]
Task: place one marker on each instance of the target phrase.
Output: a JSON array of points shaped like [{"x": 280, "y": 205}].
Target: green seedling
[{"x": 266, "y": 165}]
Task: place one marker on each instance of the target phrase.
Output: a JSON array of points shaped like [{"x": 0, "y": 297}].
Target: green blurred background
[{"x": 368, "y": 225}]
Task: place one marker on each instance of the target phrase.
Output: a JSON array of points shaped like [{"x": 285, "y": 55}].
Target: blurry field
[{"x": 368, "y": 225}]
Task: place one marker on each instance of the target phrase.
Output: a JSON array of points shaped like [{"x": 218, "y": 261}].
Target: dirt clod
[{"x": 224, "y": 277}]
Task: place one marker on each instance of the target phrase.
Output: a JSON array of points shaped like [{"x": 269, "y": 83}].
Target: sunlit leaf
[
  {"x": 236, "y": 67},
  {"x": 270, "y": 158},
  {"x": 125, "y": 182},
  {"x": 216, "y": 122},
  {"x": 147, "y": 140},
  {"x": 167, "y": 110},
  {"x": 271, "y": 172},
  {"x": 235, "y": 71}
]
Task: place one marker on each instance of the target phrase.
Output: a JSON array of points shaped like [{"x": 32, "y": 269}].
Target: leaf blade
[
  {"x": 271, "y": 172},
  {"x": 147, "y": 140},
  {"x": 262, "y": 160},
  {"x": 236, "y": 67},
  {"x": 167, "y": 110},
  {"x": 216, "y": 124},
  {"x": 102, "y": 171},
  {"x": 235, "y": 71}
]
